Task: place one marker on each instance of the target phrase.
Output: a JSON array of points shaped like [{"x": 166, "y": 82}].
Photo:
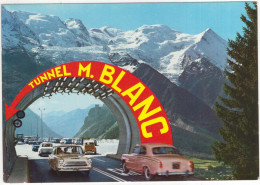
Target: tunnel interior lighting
[{"x": 82, "y": 79}]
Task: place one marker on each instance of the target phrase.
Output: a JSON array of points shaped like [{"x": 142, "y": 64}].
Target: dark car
[
  {"x": 68, "y": 141},
  {"x": 35, "y": 148},
  {"x": 56, "y": 140}
]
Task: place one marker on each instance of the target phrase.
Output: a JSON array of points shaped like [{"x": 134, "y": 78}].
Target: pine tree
[{"x": 239, "y": 111}]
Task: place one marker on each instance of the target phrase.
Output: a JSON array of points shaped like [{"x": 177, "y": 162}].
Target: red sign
[{"x": 151, "y": 118}]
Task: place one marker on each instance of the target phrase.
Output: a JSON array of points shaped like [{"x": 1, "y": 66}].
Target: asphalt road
[{"x": 104, "y": 170}]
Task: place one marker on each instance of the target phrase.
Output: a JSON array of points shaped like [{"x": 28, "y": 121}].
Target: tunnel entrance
[
  {"x": 74, "y": 118},
  {"x": 139, "y": 114}
]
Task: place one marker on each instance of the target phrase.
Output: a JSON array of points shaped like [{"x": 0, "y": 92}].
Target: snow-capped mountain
[
  {"x": 167, "y": 50},
  {"x": 16, "y": 34}
]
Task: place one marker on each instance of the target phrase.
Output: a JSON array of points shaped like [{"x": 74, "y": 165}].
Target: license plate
[{"x": 175, "y": 166}]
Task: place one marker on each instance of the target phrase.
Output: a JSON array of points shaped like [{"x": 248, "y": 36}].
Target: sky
[
  {"x": 191, "y": 18},
  {"x": 65, "y": 102}
]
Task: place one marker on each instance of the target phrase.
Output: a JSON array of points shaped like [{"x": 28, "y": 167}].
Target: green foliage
[
  {"x": 239, "y": 112},
  {"x": 211, "y": 169}
]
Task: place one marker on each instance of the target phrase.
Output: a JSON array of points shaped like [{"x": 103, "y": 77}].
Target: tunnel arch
[{"x": 136, "y": 108}]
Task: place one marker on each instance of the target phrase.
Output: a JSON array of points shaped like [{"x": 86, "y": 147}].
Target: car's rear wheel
[
  {"x": 125, "y": 170},
  {"x": 148, "y": 176}
]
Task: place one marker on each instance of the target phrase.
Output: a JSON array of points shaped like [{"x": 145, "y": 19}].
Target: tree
[{"x": 239, "y": 110}]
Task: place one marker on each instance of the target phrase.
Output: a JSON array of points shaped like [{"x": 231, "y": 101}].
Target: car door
[
  {"x": 140, "y": 159},
  {"x": 132, "y": 158}
]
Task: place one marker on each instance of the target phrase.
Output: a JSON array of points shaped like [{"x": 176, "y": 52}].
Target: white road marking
[
  {"x": 109, "y": 175},
  {"x": 98, "y": 159},
  {"x": 119, "y": 171}
]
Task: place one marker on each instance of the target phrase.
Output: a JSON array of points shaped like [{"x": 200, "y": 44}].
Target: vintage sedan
[
  {"x": 69, "y": 158},
  {"x": 157, "y": 159},
  {"x": 89, "y": 146},
  {"x": 45, "y": 149}
]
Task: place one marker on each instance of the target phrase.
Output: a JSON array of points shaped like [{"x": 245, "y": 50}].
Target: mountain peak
[{"x": 208, "y": 31}]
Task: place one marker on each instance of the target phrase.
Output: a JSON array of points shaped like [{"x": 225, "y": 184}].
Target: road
[{"x": 104, "y": 169}]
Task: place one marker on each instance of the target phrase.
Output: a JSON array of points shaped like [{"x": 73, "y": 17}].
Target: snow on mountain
[
  {"x": 15, "y": 34},
  {"x": 167, "y": 50},
  {"x": 211, "y": 46},
  {"x": 78, "y": 28},
  {"x": 51, "y": 30}
]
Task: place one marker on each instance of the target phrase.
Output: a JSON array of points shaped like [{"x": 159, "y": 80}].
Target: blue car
[{"x": 35, "y": 148}]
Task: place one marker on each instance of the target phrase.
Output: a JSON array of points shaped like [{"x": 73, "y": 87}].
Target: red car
[{"x": 156, "y": 159}]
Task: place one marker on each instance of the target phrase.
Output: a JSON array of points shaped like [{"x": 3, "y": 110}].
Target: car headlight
[{"x": 61, "y": 161}]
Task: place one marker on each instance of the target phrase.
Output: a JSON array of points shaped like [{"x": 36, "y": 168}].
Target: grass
[{"x": 211, "y": 169}]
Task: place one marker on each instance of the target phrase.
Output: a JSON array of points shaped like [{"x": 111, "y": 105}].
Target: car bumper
[
  {"x": 174, "y": 173},
  {"x": 44, "y": 155},
  {"x": 87, "y": 168}
]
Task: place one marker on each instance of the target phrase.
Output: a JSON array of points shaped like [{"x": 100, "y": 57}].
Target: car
[
  {"x": 160, "y": 159},
  {"x": 31, "y": 142},
  {"x": 45, "y": 149},
  {"x": 35, "y": 148},
  {"x": 56, "y": 140},
  {"x": 20, "y": 143},
  {"x": 68, "y": 141},
  {"x": 69, "y": 158},
  {"x": 89, "y": 146}
]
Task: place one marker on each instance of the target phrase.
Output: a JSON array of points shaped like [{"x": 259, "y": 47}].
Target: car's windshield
[
  {"x": 165, "y": 150},
  {"x": 89, "y": 144},
  {"x": 69, "y": 150},
  {"x": 46, "y": 145}
]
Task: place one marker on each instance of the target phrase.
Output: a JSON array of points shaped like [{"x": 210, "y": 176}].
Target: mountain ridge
[{"x": 156, "y": 45}]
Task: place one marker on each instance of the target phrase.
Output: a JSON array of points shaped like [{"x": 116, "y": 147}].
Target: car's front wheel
[
  {"x": 58, "y": 172},
  {"x": 125, "y": 170},
  {"x": 147, "y": 174}
]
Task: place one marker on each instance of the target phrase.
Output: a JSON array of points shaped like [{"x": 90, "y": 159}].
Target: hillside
[
  {"x": 100, "y": 123},
  {"x": 29, "y": 127},
  {"x": 66, "y": 123}
]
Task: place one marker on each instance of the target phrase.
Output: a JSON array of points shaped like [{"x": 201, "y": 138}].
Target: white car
[
  {"x": 69, "y": 158},
  {"x": 45, "y": 149}
]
